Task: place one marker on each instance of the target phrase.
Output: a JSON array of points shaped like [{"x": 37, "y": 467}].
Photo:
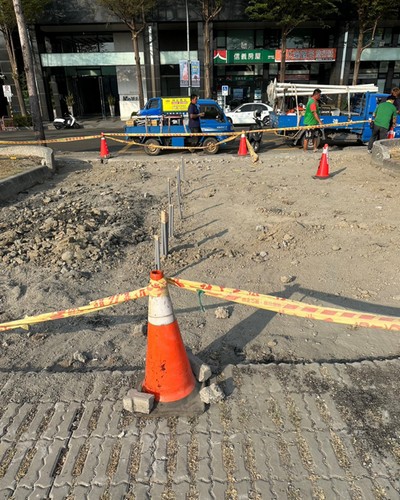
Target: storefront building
[{"x": 81, "y": 50}]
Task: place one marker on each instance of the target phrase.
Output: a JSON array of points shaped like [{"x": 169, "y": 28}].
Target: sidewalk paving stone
[{"x": 269, "y": 439}]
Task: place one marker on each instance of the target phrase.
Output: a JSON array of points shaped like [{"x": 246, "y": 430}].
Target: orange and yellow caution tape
[
  {"x": 268, "y": 302},
  {"x": 96, "y": 305},
  {"x": 291, "y": 307}
]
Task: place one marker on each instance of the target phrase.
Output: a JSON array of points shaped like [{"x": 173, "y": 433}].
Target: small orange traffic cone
[
  {"x": 391, "y": 134},
  {"x": 242, "y": 145},
  {"x": 104, "y": 153},
  {"x": 168, "y": 374},
  {"x": 323, "y": 169}
]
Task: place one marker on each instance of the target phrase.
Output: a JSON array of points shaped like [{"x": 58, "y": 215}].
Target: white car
[{"x": 244, "y": 114}]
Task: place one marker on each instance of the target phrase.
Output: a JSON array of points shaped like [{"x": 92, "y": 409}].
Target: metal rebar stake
[
  {"x": 157, "y": 252},
  {"x": 170, "y": 220},
  {"x": 164, "y": 233},
  {"x": 183, "y": 169},
  {"x": 178, "y": 191},
  {"x": 169, "y": 191}
]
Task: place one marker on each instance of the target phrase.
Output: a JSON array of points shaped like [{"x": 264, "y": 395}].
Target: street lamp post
[{"x": 188, "y": 47}]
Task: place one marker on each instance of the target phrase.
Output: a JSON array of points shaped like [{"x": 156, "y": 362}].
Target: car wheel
[
  {"x": 210, "y": 145},
  {"x": 151, "y": 148}
]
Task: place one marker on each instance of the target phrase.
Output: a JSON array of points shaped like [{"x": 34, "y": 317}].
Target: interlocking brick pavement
[{"x": 283, "y": 432}]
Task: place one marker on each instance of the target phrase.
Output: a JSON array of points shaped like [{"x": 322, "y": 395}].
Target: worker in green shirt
[
  {"x": 311, "y": 117},
  {"x": 384, "y": 118}
]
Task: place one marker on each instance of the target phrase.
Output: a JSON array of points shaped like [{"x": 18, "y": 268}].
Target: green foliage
[
  {"x": 22, "y": 121},
  {"x": 288, "y": 14},
  {"x": 32, "y": 10},
  {"x": 368, "y": 12}
]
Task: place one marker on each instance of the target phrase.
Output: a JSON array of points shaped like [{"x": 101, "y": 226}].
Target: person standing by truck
[
  {"x": 396, "y": 96},
  {"x": 311, "y": 117},
  {"x": 384, "y": 118},
  {"x": 194, "y": 119}
]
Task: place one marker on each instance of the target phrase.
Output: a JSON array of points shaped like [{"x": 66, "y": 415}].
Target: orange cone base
[
  {"x": 168, "y": 374},
  {"x": 189, "y": 406},
  {"x": 242, "y": 146},
  {"x": 323, "y": 170}
]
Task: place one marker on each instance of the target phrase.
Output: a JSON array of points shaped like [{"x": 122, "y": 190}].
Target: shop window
[
  {"x": 74, "y": 43},
  {"x": 240, "y": 40},
  {"x": 259, "y": 39},
  {"x": 220, "y": 40}
]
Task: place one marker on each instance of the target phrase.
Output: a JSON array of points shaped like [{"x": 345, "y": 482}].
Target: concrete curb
[
  {"x": 11, "y": 186},
  {"x": 381, "y": 154}
]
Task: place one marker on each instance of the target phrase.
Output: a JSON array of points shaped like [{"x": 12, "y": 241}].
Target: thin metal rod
[
  {"x": 170, "y": 220},
  {"x": 157, "y": 252},
  {"x": 182, "y": 169},
  {"x": 169, "y": 191},
  {"x": 164, "y": 233},
  {"x": 178, "y": 191}
]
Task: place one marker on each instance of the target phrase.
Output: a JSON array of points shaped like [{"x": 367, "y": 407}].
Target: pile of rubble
[{"x": 67, "y": 230}]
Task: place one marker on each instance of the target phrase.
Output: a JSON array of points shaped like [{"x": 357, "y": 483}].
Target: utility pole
[
  {"x": 29, "y": 71},
  {"x": 188, "y": 47}
]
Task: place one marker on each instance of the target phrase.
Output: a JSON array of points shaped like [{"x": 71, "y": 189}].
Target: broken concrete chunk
[
  {"x": 222, "y": 313},
  {"x": 201, "y": 371},
  {"x": 140, "y": 402},
  {"x": 211, "y": 394}
]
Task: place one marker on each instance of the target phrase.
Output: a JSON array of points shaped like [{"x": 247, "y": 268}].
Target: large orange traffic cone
[
  {"x": 168, "y": 374},
  {"x": 242, "y": 145},
  {"x": 104, "y": 153},
  {"x": 391, "y": 134},
  {"x": 323, "y": 169}
]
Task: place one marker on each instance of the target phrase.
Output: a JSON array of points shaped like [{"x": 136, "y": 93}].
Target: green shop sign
[{"x": 223, "y": 56}]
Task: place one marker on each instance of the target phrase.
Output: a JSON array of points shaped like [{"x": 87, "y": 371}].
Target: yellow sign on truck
[
  {"x": 175, "y": 104},
  {"x": 165, "y": 105}
]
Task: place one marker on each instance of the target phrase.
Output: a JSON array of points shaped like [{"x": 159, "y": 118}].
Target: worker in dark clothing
[
  {"x": 384, "y": 118},
  {"x": 194, "y": 118}
]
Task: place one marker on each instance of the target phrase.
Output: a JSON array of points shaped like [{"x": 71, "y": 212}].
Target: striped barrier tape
[
  {"x": 96, "y": 305},
  {"x": 253, "y": 154},
  {"x": 291, "y": 307},
  {"x": 50, "y": 141},
  {"x": 234, "y": 135},
  {"x": 269, "y": 302}
]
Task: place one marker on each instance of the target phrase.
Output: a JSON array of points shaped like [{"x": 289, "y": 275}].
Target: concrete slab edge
[
  {"x": 381, "y": 154},
  {"x": 11, "y": 186}
]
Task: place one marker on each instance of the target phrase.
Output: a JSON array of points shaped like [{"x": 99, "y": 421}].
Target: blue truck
[
  {"x": 168, "y": 116},
  {"x": 361, "y": 109}
]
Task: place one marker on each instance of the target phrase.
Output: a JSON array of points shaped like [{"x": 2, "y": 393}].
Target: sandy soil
[{"x": 268, "y": 227}]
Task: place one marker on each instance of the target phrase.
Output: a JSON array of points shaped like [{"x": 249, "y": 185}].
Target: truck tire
[
  {"x": 150, "y": 147},
  {"x": 210, "y": 145}
]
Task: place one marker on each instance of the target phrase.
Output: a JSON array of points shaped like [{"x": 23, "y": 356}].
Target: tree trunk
[
  {"x": 359, "y": 51},
  {"x": 29, "y": 71},
  {"x": 207, "y": 72},
  {"x": 139, "y": 81},
  {"x": 14, "y": 71},
  {"x": 283, "y": 57}
]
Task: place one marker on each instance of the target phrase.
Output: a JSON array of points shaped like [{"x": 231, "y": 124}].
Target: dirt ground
[{"x": 268, "y": 227}]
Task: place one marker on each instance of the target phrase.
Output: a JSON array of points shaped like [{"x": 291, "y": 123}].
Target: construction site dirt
[{"x": 269, "y": 227}]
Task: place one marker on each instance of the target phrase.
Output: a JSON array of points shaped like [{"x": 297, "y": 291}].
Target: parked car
[{"x": 244, "y": 114}]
